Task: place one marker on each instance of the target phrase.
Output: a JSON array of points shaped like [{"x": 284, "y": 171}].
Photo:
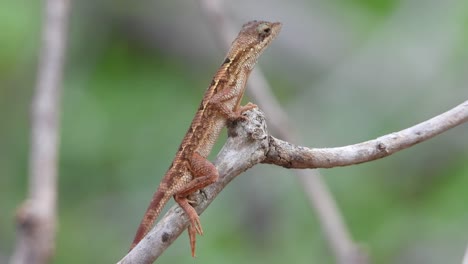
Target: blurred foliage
[{"x": 134, "y": 78}]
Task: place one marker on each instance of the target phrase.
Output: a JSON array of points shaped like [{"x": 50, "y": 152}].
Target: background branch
[
  {"x": 465, "y": 258},
  {"x": 36, "y": 217}
]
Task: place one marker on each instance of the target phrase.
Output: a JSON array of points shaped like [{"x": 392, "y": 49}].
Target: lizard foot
[
  {"x": 191, "y": 213},
  {"x": 194, "y": 228},
  {"x": 196, "y": 224},
  {"x": 238, "y": 113}
]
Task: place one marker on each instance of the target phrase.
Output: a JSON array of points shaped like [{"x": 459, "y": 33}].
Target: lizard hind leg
[{"x": 204, "y": 173}]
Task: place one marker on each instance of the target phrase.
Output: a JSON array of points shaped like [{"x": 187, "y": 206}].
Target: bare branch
[
  {"x": 36, "y": 217},
  {"x": 245, "y": 147},
  {"x": 287, "y": 155},
  {"x": 249, "y": 143}
]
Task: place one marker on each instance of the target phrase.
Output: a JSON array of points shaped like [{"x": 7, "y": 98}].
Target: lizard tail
[{"x": 154, "y": 209}]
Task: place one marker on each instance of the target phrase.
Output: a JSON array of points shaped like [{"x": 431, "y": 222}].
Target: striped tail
[{"x": 154, "y": 209}]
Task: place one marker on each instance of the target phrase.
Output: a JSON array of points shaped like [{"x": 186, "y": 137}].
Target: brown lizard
[{"x": 190, "y": 170}]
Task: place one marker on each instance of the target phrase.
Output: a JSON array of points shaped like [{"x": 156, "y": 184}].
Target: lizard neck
[{"x": 207, "y": 124}]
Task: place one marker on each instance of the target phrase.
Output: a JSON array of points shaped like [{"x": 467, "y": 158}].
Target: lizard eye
[{"x": 263, "y": 30}]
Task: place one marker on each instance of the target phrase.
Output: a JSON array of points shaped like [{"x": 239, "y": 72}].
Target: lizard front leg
[
  {"x": 204, "y": 173},
  {"x": 218, "y": 102}
]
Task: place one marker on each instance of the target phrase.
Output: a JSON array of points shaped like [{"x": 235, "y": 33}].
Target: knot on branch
[
  {"x": 25, "y": 218},
  {"x": 247, "y": 141},
  {"x": 254, "y": 127},
  {"x": 382, "y": 147}
]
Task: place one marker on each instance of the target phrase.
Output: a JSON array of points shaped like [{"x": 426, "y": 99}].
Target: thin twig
[
  {"x": 249, "y": 143},
  {"x": 36, "y": 217},
  {"x": 320, "y": 198}
]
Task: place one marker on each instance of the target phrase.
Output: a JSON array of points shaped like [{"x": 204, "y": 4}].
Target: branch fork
[{"x": 249, "y": 143}]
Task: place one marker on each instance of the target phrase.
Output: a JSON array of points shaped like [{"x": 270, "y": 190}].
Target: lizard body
[{"x": 190, "y": 170}]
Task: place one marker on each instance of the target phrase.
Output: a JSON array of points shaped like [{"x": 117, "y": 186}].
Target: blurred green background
[{"x": 345, "y": 71}]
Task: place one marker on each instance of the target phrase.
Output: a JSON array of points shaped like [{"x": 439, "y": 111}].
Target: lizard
[{"x": 190, "y": 170}]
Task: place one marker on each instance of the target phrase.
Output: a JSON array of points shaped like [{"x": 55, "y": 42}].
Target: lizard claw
[
  {"x": 193, "y": 229},
  {"x": 196, "y": 225},
  {"x": 193, "y": 199},
  {"x": 244, "y": 108},
  {"x": 238, "y": 114},
  {"x": 248, "y": 106}
]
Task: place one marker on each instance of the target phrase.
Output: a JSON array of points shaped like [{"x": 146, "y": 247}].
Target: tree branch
[
  {"x": 249, "y": 143},
  {"x": 246, "y": 146},
  {"x": 290, "y": 156},
  {"x": 36, "y": 217}
]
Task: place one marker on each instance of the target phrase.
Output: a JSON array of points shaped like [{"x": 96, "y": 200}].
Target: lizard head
[{"x": 253, "y": 39}]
